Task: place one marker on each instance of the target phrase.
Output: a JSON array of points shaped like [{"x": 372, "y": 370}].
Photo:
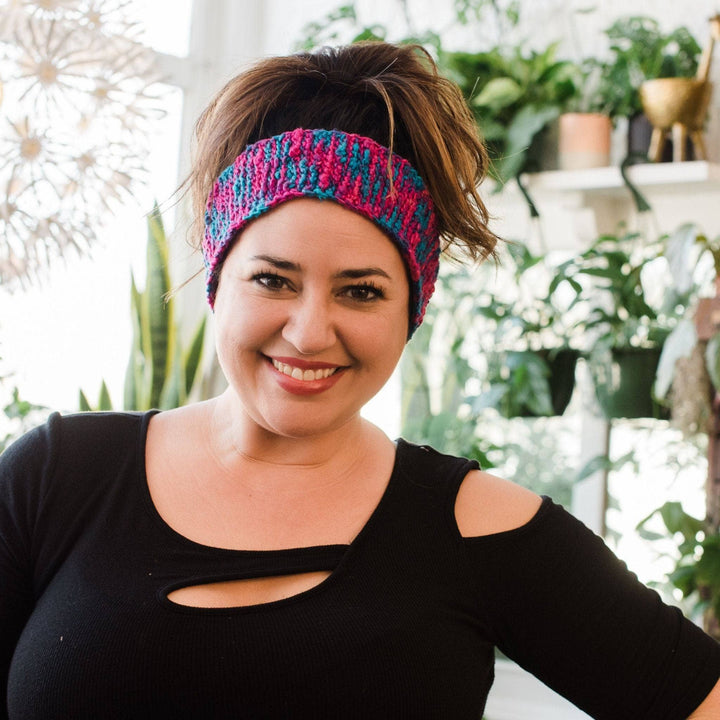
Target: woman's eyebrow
[
  {"x": 356, "y": 273},
  {"x": 349, "y": 273},
  {"x": 278, "y": 262}
]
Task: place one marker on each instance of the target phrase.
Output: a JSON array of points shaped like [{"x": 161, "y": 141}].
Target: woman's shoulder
[
  {"x": 78, "y": 438},
  {"x": 58, "y": 423},
  {"x": 488, "y": 505},
  {"x": 103, "y": 423},
  {"x": 484, "y": 503}
]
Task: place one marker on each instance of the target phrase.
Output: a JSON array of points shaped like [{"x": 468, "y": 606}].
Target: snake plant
[{"x": 161, "y": 372}]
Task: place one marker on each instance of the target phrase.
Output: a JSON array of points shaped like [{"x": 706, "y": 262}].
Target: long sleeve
[{"x": 566, "y": 609}]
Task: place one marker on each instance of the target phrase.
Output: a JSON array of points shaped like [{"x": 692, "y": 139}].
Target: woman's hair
[{"x": 392, "y": 94}]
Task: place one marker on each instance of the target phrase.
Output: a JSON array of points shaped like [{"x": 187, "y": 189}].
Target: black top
[{"x": 404, "y": 627}]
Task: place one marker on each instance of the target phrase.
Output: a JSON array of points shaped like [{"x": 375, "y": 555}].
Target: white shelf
[
  {"x": 691, "y": 176},
  {"x": 578, "y": 205}
]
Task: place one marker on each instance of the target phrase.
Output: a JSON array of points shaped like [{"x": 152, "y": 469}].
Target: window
[{"x": 72, "y": 329}]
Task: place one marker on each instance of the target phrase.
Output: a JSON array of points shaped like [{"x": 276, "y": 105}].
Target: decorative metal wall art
[{"x": 76, "y": 117}]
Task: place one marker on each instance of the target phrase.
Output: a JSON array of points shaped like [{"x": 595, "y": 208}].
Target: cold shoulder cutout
[{"x": 487, "y": 505}]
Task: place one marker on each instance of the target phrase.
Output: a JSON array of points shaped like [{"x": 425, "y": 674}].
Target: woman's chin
[{"x": 305, "y": 425}]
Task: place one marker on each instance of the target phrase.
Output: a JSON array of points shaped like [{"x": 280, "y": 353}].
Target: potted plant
[
  {"x": 526, "y": 338},
  {"x": 697, "y": 561},
  {"x": 585, "y": 128},
  {"x": 516, "y": 96},
  {"x": 529, "y": 383},
  {"x": 625, "y": 324},
  {"x": 640, "y": 51},
  {"x": 161, "y": 373},
  {"x": 690, "y": 366},
  {"x": 436, "y": 405}
]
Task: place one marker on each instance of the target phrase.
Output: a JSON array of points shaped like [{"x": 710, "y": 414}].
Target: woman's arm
[
  {"x": 710, "y": 707},
  {"x": 16, "y": 591},
  {"x": 561, "y": 605}
]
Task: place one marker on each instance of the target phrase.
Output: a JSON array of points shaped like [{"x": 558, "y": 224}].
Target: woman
[{"x": 270, "y": 554}]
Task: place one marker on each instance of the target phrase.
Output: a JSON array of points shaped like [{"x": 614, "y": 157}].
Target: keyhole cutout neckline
[{"x": 308, "y": 568}]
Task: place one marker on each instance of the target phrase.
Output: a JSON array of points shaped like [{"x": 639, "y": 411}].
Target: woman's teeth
[{"x": 305, "y": 375}]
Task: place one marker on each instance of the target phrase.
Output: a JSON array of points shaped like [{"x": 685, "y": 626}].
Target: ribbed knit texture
[
  {"x": 327, "y": 164},
  {"x": 404, "y": 626}
]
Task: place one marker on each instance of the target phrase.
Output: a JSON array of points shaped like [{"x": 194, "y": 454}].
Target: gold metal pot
[
  {"x": 667, "y": 101},
  {"x": 680, "y": 104}
]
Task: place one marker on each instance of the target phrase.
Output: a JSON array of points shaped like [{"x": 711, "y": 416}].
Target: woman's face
[{"x": 311, "y": 316}]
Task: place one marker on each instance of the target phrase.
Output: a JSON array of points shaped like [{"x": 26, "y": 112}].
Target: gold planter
[{"x": 679, "y": 105}]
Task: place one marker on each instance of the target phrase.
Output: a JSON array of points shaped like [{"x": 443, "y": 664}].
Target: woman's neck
[{"x": 239, "y": 443}]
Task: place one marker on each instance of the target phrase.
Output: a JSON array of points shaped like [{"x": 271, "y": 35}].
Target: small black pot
[
  {"x": 624, "y": 383},
  {"x": 562, "y": 364},
  {"x": 561, "y": 380},
  {"x": 639, "y": 134}
]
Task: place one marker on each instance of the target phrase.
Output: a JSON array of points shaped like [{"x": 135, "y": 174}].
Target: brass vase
[{"x": 677, "y": 105}]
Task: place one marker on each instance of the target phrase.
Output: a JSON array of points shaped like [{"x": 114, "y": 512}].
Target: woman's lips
[
  {"x": 302, "y": 377},
  {"x": 299, "y": 374}
]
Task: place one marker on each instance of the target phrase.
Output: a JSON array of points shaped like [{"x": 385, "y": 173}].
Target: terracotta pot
[{"x": 584, "y": 141}]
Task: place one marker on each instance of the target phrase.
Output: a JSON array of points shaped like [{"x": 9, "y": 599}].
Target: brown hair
[{"x": 392, "y": 94}]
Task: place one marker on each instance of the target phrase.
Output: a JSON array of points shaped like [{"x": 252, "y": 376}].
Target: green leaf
[
  {"x": 159, "y": 314},
  {"x": 650, "y": 535},
  {"x": 527, "y": 123},
  {"x": 490, "y": 398},
  {"x": 708, "y": 566},
  {"x": 173, "y": 389},
  {"x": 678, "y": 344},
  {"x": 415, "y": 400},
  {"x": 83, "y": 403},
  {"x": 678, "y": 251},
  {"x": 191, "y": 361},
  {"x": 104, "y": 401},
  {"x": 712, "y": 359},
  {"x": 137, "y": 374},
  {"x": 499, "y": 93},
  {"x": 159, "y": 372},
  {"x": 374, "y": 33},
  {"x": 530, "y": 388},
  {"x": 595, "y": 464},
  {"x": 612, "y": 272},
  {"x": 523, "y": 128},
  {"x": 678, "y": 521},
  {"x": 603, "y": 463},
  {"x": 684, "y": 577}
]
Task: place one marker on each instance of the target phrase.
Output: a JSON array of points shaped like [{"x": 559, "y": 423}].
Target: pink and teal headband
[{"x": 328, "y": 164}]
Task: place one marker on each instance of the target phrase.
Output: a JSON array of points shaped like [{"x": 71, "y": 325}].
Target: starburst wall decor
[{"x": 76, "y": 117}]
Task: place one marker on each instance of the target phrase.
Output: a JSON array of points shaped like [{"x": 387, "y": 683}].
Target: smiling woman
[
  {"x": 268, "y": 552},
  {"x": 306, "y": 312}
]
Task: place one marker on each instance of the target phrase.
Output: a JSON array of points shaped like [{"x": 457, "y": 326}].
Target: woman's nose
[{"x": 310, "y": 325}]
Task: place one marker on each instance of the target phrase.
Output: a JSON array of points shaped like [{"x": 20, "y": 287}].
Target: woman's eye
[
  {"x": 270, "y": 281},
  {"x": 364, "y": 293}
]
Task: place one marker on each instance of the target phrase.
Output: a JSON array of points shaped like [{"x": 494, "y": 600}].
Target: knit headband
[{"x": 328, "y": 164}]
